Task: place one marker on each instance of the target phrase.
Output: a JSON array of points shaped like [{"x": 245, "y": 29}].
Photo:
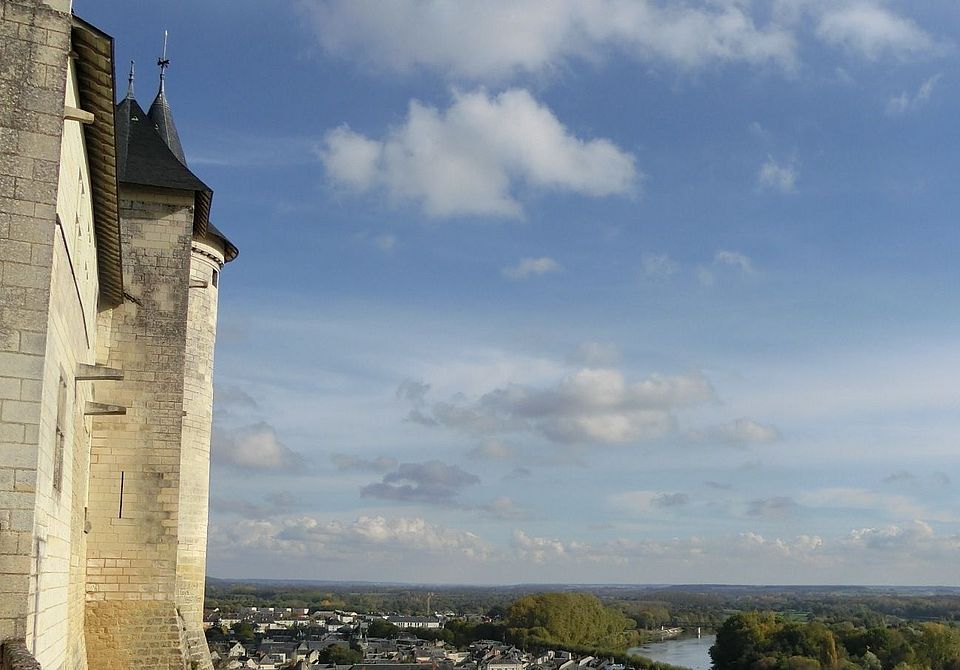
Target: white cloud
[
  {"x": 529, "y": 267},
  {"x": 776, "y": 177},
  {"x": 366, "y": 537},
  {"x": 871, "y": 30},
  {"x": 905, "y": 102},
  {"x": 254, "y": 447},
  {"x": 593, "y": 405},
  {"x": 724, "y": 260},
  {"x": 353, "y": 158},
  {"x": 499, "y": 38},
  {"x": 468, "y": 158},
  {"x": 537, "y": 549}
]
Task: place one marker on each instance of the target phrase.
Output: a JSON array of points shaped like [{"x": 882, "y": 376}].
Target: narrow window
[
  {"x": 60, "y": 437},
  {"x": 215, "y": 280},
  {"x": 120, "y": 511}
]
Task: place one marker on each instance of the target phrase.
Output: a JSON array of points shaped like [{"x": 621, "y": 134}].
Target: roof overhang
[{"x": 94, "y": 65}]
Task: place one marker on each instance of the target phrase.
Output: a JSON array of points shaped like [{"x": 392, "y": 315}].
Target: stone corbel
[
  {"x": 86, "y": 372},
  {"x": 74, "y": 114},
  {"x": 103, "y": 409}
]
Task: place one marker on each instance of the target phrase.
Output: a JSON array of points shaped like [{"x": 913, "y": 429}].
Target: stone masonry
[{"x": 105, "y": 393}]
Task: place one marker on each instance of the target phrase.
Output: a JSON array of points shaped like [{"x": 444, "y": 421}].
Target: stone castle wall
[
  {"x": 206, "y": 262},
  {"x": 47, "y": 303},
  {"x": 102, "y": 520},
  {"x": 135, "y": 461}
]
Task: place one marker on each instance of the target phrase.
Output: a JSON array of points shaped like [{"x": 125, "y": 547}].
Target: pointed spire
[
  {"x": 160, "y": 113},
  {"x": 163, "y": 62},
  {"x": 129, "y": 95}
]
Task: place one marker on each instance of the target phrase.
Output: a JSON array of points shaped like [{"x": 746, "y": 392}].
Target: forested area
[
  {"x": 765, "y": 641},
  {"x": 568, "y": 619}
]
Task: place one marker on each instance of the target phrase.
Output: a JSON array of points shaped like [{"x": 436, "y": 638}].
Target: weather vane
[{"x": 163, "y": 61}]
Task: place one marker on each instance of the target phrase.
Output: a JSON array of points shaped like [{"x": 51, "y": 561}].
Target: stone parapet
[{"x": 14, "y": 655}]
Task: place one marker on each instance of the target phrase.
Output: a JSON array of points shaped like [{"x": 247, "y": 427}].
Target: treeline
[
  {"x": 764, "y": 641},
  {"x": 229, "y": 595},
  {"x": 576, "y": 622},
  {"x": 568, "y": 619},
  {"x": 651, "y": 607}
]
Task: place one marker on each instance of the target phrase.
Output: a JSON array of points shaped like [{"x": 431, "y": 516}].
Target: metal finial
[
  {"x": 133, "y": 65},
  {"x": 163, "y": 62}
]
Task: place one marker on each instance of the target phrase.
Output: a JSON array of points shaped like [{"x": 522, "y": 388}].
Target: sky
[{"x": 569, "y": 291}]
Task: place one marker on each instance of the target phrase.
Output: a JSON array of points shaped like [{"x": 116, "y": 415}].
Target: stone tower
[{"x": 149, "y": 470}]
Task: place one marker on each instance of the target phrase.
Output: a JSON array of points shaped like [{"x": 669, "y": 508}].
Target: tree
[
  {"x": 569, "y": 619},
  {"x": 382, "y": 628},
  {"x": 742, "y": 640},
  {"x": 243, "y": 630},
  {"x": 339, "y": 655}
]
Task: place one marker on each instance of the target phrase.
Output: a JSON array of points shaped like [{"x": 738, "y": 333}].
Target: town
[{"x": 268, "y": 638}]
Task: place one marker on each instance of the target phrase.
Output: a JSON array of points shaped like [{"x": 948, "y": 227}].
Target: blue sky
[{"x": 576, "y": 291}]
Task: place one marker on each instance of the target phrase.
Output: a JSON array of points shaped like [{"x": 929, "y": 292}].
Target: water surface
[{"x": 690, "y": 652}]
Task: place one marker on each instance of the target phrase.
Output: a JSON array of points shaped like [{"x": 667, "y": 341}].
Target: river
[{"x": 689, "y": 652}]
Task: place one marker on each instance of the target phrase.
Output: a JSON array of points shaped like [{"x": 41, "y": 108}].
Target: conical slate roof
[
  {"x": 162, "y": 119},
  {"x": 149, "y": 154},
  {"x": 144, "y": 157}
]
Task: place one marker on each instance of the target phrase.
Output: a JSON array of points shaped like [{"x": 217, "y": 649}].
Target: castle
[{"x": 109, "y": 275}]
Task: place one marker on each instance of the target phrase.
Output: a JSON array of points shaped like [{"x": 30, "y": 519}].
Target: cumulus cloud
[
  {"x": 871, "y": 30},
  {"x": 494, "y": 40},
  {"x": 905, "y": 102},
  {"x": 432, "y": 482},
  {"x": 468, "y": 159},
  {"x": 537, "y": 549},
  {"x": 364, "y": 538},
  {"x": 254, "y": 447},
  {"x": 913, "y": 541},
  {"x": 346, "y": 462},
  {"x": 593, "y": 405},
  {"x": 531, "y": 267},
  {"x": 779, "y": 177},
  {"x": 738, "y": 433}
]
